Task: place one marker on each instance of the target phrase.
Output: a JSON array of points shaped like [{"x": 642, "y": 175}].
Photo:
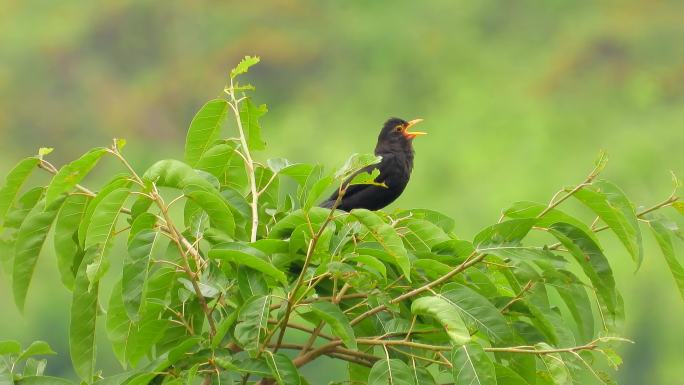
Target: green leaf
[
  {"x": 205, "y": 129},
  {"x": 101, "y": 231},
  {"x": 446, "y": 313},
  {"x": 30, "y": 239},
  {"x": 71, "y": 174},
  {"x": 679, "y": 206},
  {"x": 298, "y": 171},
  {"x": 36, "y": 348},
  {"x": 524, "y": 209},
  {"x": 574, "y": 294},
  {"x": 248, "y": 256},
  {"x": 43, "y": 380},
  {"x": 611, "y": 205},
  {"x": 244, "y": 65},
  {"x": 284, "y": 228},
  {"x": 472, "y": 366},
  {"x": 220, "y": 215},
  {"x": 66, "y": 243},
  {"x": 118, "y": 325},
  {"x": 386, "y": 236},
  {"x": 663, "y": 236},
  {"x": 390, "y": 372},
  {"x": 367, "y": 178},
  {"x": 594, "y": 264},
  {"x": 554, "y": 366},
  {"x": 8, "y": 347},
  {"x": 355, "y": 163},
  {"x": 84, "y": 307},
  {"x": 215, "y": 160},
  {"x": 316, "y": 191},
  {"x": 506, "y": 376},
  {"x": 333, "y": 316},
  {"x": 371, "y": 262},
  {"x": 477, "y": 309},
  {"x": 282, "y": 368},
  {"x": 176, "y": 174},
  {"x": 444, "y": 222},
  {"x": 510, "y": 232},
  {"x": 13, "y": 182},
  {"x": 117, "y": 182},
  {"x": 23, "y": 207},
  {"x": 252, "y": 322},
  {"x": 249, "y": 116},
  {"x": 420, "y": 235},
  {"x": 137, "y": 264}
]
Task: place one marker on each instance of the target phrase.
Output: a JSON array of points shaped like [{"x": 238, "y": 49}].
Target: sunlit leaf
[
  {"x": 204, "y": 129},
  {"x": 244, "y": 65},
  {"x": 246, "y": 255},
  {"x": 36, "y": 348},
  {"x": 355, "y": 163}
]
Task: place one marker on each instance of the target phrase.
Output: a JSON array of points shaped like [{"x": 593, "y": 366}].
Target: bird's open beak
[{"x": 412, "y": 134}]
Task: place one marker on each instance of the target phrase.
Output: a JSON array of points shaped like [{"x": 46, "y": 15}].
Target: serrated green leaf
[
  {"x": 244, "y": 65},
  {"x": 386, "y": 236},
  {"x": 663, "y": 236},
  {"x": 611, "y": 205},
  {"x": 390, "y": 372},
  {"x": 252, "y": 322},
  {"x": 446, "y": 313},
  {"x": 71, "y": 174},
  {"x": 472, "y": 366},
  {"x": 30, "y": 240},
  {"x": 282, "y": 368},
  {"x": 204, "y": 129},
  {"x": 82, "y": 323},
  {"x": 13, "y": 182},
  {"x": 249, "y": 116},
  {"x": 66, "y": 243},
  {"x": 338, "y": 322},
  {"x": 248, "y": 256}
]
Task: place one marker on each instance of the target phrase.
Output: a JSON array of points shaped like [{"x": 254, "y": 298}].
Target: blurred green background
[{"x": 518, "y": 97}]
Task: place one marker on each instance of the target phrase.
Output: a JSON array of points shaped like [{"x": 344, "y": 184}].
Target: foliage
[{"x": 229, "y": 261}]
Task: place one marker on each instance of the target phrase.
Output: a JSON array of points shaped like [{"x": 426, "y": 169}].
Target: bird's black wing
[{"x": 351, "y": 190}]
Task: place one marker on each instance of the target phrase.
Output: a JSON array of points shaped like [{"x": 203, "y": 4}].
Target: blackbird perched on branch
[{"x": 396, "y": 148}]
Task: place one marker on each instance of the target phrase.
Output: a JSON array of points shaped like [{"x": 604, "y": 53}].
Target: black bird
[{"x": 396, "y": 148}]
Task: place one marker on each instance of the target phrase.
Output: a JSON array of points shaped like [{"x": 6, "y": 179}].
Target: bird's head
[{"x": 396, "y": 133}]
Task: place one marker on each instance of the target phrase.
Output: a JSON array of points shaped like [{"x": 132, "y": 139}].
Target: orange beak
[{"x": 412, "y": 134}]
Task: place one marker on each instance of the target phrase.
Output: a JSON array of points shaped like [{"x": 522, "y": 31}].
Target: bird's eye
[{"x": 399, "y": 128}]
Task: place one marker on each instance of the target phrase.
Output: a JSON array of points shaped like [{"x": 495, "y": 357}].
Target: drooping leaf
[
  {"x": 119, "y": 181},
  {"x": 282, "y": 368},
  {"x": 101, "y": 231},
  {"x": 664, "y": 238},
  {"x": 420, "y": 235},
  {"x": 216, "y": 159},
  {"x": 594, "y": 264},
  {"x": 339, "y": 324},
  {"x": 510, "y": 232},
  {"x": 611, "y": 205},
  {"x": 30, "y": 239},
  {"x": 386, "y": 236},
  {"x": 444, "y": 222},
  {"x": 13, "y": 182},
  {"x": 525, "y": 209},
  {"x": 137, "y": 263},
  {"x": 204, "y": 129},
  {"x": 66, "y": 243},
  {"x": 284, "y": 228},
  {"x": 506, "y": 376},
  {"x": 176, "y": 174},
  {"x": 118, "y": 325},
  {"x": 472, "y": 366},
  {"x": 42, "y": 380},
  {"x": 84, "y": 305},
  {"x": 71, "y": 174},
  {"x": 242, "y": 254},
  {"x": 249, "y": 116},
  {"x": 298, "y": 171},
  {"x": 36, "y": 348},
  {"x": 390, "y": 372},
  {"x": 446, "y": 313},
  {"x": 554, "y": 366},
  {"x": 220, "y": 215}
]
